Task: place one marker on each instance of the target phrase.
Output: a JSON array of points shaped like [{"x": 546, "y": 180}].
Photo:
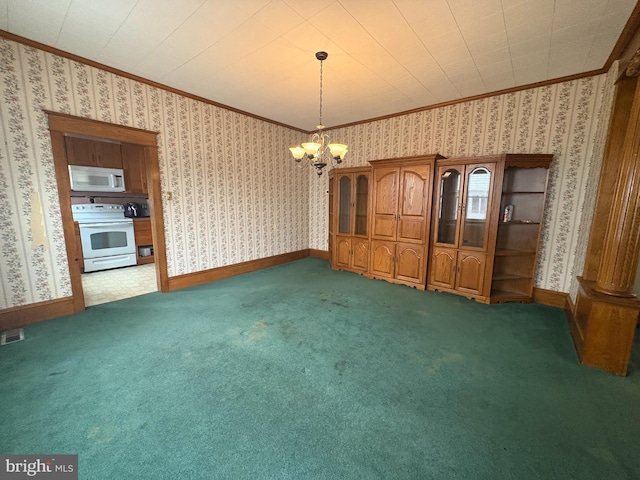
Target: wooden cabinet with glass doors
[
  {"x": 349, "y": 219},
  {"x": 486, "y": 226},
  {"x": 462, "y": 227}
]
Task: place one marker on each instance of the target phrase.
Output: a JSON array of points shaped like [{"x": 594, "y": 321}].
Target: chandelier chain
[{"x": 321, "y": 62}]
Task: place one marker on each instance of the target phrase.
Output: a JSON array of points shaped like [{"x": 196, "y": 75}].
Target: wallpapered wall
[
  {"x": 568, "y": 119},
  {"x": 236, "y": 194}
]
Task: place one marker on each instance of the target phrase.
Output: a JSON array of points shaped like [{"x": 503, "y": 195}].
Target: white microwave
[{"x": 96, "y": 179}]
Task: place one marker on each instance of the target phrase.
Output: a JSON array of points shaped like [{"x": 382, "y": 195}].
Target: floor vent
[{"x": 11, "y": 336}]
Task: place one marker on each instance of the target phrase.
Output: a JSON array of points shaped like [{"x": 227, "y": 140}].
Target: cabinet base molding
[
  {"x": 470, "y": 296},
  {"x": 417, "y": 286},
  {"x": 213, "y": 274},
  {"x": 36, "y": 312},
  {"x": 602, "y": 328}
]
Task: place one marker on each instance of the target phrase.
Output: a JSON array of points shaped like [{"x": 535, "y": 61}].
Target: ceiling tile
[
  {"x": 462, "y": 67},
  {"x": 499, "y": 81},
  {"x": 4, "y": 14},
  {"x": 495, "y": 68},
  {"x": 278, "y": 16},
  {"x": 487, "y": 43},
  {"x": 308, "y": 9},
  {"x": 536, "y": 12},
  {"x": 530, "y": 59},
  {"x": 574, "y": 12},
  {"x": 532, "y": 45},
  {"x": 531, "y": 73},
  {"x": 491, "y": 57},
  {"x": 467, "y": 12},
  {"x": 40, "y": 21}
]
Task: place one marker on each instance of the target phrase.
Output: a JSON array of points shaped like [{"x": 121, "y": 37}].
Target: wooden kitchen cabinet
[
  {"x": 349, "y": 219},
  {"x": 475, "y": 252},
  {"x": 144, "y": 238},
  {"x": 135, "y": 170},
  {"x": 93, "y": 153},
  {"x": 400, "y": 215}
]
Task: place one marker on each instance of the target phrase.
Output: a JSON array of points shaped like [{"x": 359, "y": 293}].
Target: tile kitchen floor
[{"x": 119, "y": 283}]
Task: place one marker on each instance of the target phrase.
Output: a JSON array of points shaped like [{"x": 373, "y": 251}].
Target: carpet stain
[
  {"x": 340, "y": 366},
  {"x": 288, "y": 330},
  {"x": 602, "y": 454},
  {"x": 256, "y": 331},
  {"x": 252, "y": 334},
  {"x": 447, "y": 358},
  {"x": 102, "y": 434}
]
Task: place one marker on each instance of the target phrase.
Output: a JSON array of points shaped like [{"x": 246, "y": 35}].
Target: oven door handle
[{"x": 102, "y": 225}]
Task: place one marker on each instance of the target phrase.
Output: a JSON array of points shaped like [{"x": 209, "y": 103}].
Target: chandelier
[{"x": 318, "y": 152}]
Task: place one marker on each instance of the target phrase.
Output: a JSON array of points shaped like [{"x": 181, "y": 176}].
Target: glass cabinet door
[
  {"x": 344, "y": 207},
  {"x": 477, "y": 202},
  {"x": 448, "y": 208},
  {"x": 362, "y": 195}
]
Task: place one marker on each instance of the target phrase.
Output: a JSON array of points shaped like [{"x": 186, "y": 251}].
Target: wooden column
[
  {"x": 605, "y": 316},
  {"x": 619, "y": 256}
]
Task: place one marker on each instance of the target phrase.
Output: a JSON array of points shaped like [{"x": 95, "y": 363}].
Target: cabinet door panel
[
  {"x": 385, "y": 203},
  {"x": 361, "y": 204},
  {"x": 442, "y": 268},
  {"x": 343, "y": 247},
  {"x": 414, "y": 203},
  {"x": 109, "y": 155},
  {"x": 411, "y": 263},
  {"x": 344, "y": 204},
  {"x": 360, "y": 254},
  {"x": 477, "y": 205},
  {"x": 331, "y": 221},
  {"x": 93, "y": 153},
  {"x": 135, "y": 171},
  {"x": 448, "y": 204},
  {"x": 382, "y": 254},
  {"x": 471, "y": 272}
]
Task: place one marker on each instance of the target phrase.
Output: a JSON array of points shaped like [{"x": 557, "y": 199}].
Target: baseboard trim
[
  {"x": 551, "y": 298},
  {"x": 198, "y": 278},
  {"x": 36, "y": 312},
  {"x": 323, "y": 254},
  {"x": 574, "y": 328}
]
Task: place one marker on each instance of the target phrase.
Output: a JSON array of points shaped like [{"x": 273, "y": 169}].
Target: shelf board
[
  {"x": 500, "y": 296},
  {"x": 521, "y": 192},
  {"x": 519, "y": 222},
  {"x": 507, "y": 253},
  {"x": 510, "y": 276}
]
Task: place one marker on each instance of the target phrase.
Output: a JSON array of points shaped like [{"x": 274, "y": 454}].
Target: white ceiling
[{"x": 385, "y": 56}]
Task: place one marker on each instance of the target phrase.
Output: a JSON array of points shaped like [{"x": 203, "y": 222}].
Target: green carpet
[{"x": 300, "y": 372}]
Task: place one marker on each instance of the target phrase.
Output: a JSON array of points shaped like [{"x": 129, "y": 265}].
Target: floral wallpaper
[
  {"x": 567, "y": 119},
  {"x": 236, "y": 196}
]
